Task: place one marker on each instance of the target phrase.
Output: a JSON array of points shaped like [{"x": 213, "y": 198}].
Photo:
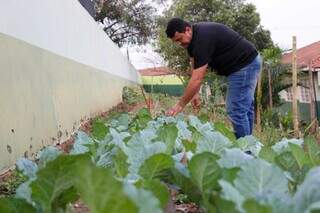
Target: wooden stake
[
  {"x": 270, "y": 87},
  {"x": 313, "y": 116},
  {"x": 294, "y": 88},
  {"x": 259, "y": 95}
]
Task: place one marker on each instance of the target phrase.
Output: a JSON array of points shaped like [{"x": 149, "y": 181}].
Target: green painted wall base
[
  {"x": 173, "y": 90},
  {"x": 304, "y": 110}
]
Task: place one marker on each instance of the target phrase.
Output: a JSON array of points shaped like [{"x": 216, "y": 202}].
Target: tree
[
  {"x": 272, "y": 57},
  {"x": 126, "y": 21},
  {"x": 240, "y": 16}
]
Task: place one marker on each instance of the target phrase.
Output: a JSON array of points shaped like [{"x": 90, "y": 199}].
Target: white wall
[
  {"x": 56, "y": 68},
  {"x": 65, "y": 28}
]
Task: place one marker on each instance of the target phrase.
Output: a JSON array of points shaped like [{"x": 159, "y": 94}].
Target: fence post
[{"x": 294, "y": 88}]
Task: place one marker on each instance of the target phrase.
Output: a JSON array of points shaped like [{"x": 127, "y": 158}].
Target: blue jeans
[{"x": 240, "y": 97}]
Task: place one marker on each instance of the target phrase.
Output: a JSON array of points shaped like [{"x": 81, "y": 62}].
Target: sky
[{"x": 284, "y": 19}]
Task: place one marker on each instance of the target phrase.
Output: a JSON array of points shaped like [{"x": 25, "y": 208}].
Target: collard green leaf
[
  {"x": 141, "y": 120},
  {"x": 14, "y": 205},
  {"x": 183, "y": 132},
  {"x": 308, "y": 192},
  {"x": 213, "y": 142},
  {"x": 283, "y": 145},
  {"x": 267, "y": 153},
  {"x": 313, "y": 150},
  {"x": 287, "y": 162},
  {"x": 299, "y": 154},
  {"x": 156, "y": 166},
  {"x": 27, "y": 167},
  {"x": 168, "y": 134},
  {"x": 120, "y": 163},
  {"x": 143, "y": 199},
  {"x": 222, "y": 205},
  {"x": 314, "y": 208},
  {"x": 205, "y": 171},
  {"x": 53, "y": 180},
  {"x": 159, "y": 190},
  {"x": 198, "y": 125},
  {"x": 99, "y": 130},
  {"x": 230, "y": 193},
  {"x": 100, "y": 191},
  {"x": 120, "y": 122},
  {"x": 68, "y": 196},
  {"x": 81, "y": 143},
  {"x": 233, "y": 158},
  {"x": 252, "y": 206},
  {"x": 47, "y": 154},
  {"x": 141, "y": 147},
  {"x": 181, "y": 178},
  {"x": 221, "y": 127},
  {"x": 230, "y": 174},
  {"x": 249, "y": 143},
  {"x": 258, "y": 177},
  {"x": 105, "y": 160},
  {"x": 24, "y": 191},
  {"x": 279, "y": 202},
  {"x": 189, "y": 145}
]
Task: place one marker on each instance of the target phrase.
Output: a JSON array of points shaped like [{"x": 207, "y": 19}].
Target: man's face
[{"x": 183, "y": 39}]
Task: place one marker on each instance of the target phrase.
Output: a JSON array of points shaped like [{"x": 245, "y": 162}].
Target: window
[{"x": 305, "y": 95}]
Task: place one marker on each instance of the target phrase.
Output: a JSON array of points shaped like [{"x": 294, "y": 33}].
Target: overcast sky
[{"x": 284, "y": 18}]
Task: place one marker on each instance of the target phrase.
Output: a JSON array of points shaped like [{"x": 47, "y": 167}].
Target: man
[{"x": 216, "y": 46}]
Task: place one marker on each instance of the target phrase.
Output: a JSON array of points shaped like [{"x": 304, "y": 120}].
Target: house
[
  {"x": 162, "y": 80},
  {"x": 308, "y": 58}
]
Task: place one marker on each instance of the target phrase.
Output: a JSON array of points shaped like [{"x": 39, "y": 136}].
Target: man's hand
[
  {"x": 196, "y": 103},
  {"x": 191, "y": 90},
  {"x": 174, "y": 110}
]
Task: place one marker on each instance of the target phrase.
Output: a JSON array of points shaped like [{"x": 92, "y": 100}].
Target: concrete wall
[{"x": 56, "y": 68}]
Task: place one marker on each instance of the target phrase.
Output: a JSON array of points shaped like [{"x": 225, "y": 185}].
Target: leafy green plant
[
  {"x": 130, "y": 95},
  {"x": 131, "y": 165}
]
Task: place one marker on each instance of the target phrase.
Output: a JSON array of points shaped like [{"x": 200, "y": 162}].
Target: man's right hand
[{"x": 196, "y": 103}]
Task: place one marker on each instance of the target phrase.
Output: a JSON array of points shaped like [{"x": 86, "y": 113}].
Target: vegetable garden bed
[{"x": 134, "y": 164}]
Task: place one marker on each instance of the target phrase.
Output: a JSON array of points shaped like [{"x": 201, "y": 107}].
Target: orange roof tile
[
  {"x": 305, "y": 56},
  {"x": 156, "y": 71}
]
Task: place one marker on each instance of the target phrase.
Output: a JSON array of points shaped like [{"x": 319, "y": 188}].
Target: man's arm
[
  {"x": 191, "y": 90},
  {"x": 193, "y": 85}
]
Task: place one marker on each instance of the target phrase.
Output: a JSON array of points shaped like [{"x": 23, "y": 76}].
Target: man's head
[{"x": 179, "y": 31}]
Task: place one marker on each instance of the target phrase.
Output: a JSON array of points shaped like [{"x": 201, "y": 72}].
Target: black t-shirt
[{"x": 220, "y": 47}]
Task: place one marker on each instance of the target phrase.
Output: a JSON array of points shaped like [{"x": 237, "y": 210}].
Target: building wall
[
  {"x": 56, "y": 68},
  {"x": 166, "y": 84}
]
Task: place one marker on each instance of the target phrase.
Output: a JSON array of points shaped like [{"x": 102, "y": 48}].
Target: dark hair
[{"x": 176, "y": 25}]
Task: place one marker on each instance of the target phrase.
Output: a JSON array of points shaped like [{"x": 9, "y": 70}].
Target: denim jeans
[{"x": 240, "y": 97}]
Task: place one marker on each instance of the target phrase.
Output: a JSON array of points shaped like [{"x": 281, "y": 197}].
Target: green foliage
[
  {"x": 14, "y": 205},
  {"x": 313, "y": 150},
  {"x": 53, "y": 181},
  {"x": 205, "y": 171},
  {"x": 126, "y": 21},
  {"x": 237, "y": 14},
  {"x": 99, "y": 130},
  {"x": 98, "y": 189},
  {"x": 128, "y": 171},
  {"x": 156, "y": 166},
  {"x": 130, "y": 95},
  {"x": 158, "y": 189},
  {"x": 279, "y": 75},
  {"x": 168, "y": 134},
  {"x": 252, "y": 206},
  {"x": 140, "y": 121}
]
